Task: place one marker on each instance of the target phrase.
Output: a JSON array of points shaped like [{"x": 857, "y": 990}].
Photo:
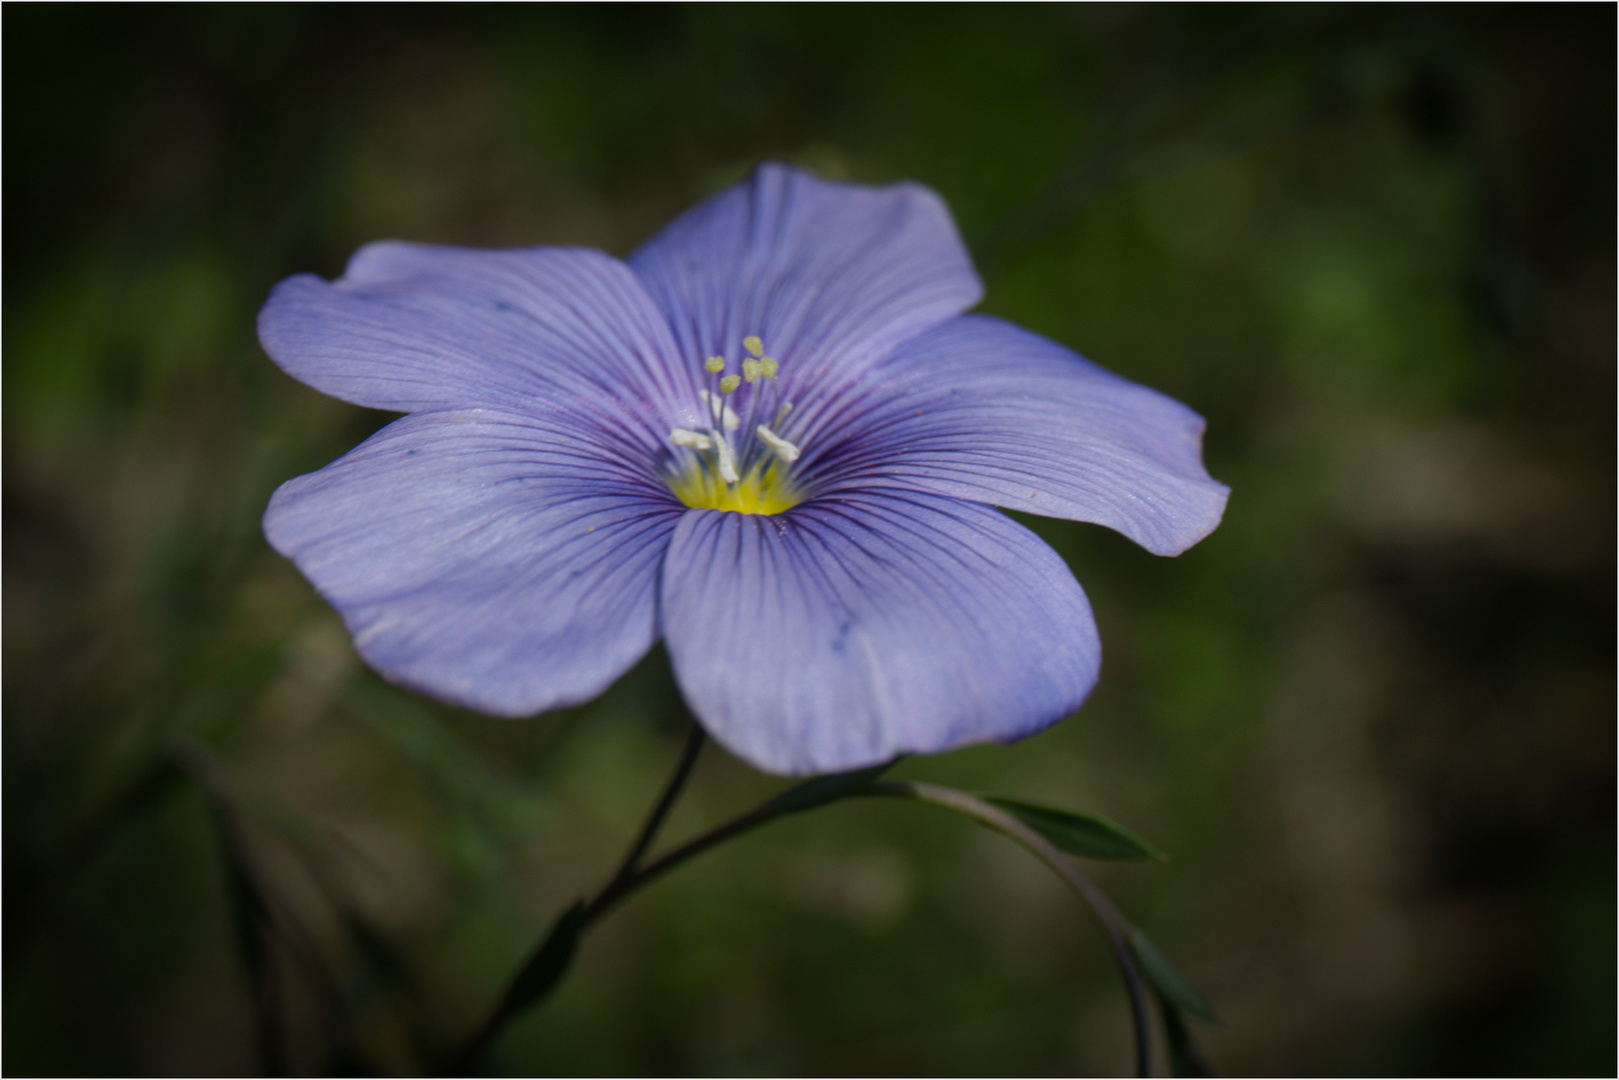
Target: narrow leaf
[
  {"x": 1166, "y": 980},
  {"x": 1185, "y": 1059},
  {"x": 539, "y": 976},
  {"x": 255, "y": 927},
  {"x": 825, "y": 789},
  {"x": 1079, "y": 834},
  {"x": 548, "y": 964}
]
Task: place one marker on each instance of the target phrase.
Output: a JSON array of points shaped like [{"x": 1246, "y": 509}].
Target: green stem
[
  {"x": 623, "y": 887},
  {"x": 546, "y": 965},
  {"x": 666, "y": 802},
  {"x": 1113, "y": 924}
]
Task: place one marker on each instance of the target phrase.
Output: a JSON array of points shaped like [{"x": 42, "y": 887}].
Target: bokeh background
[{"x": 1371, "y": 718}]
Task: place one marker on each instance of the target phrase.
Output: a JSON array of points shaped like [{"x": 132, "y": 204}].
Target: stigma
[{"x": 744, "y": 468}]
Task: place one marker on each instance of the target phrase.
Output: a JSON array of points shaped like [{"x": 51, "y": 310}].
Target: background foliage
[{"x": 1371, "y": 718}]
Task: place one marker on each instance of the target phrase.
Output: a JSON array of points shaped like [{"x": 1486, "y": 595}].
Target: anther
[
  {"x": 754, "y": 345},
  {"x": 696, "y": 440},
  {"x": 714, "y": 365},
  {"x": 727, "y": 459},
  {"x": 768, "y": 367},
  {"x": 751, "y": 369},
  {"x": 778, "y": 445},
  {"x": 729, "y": 384}
]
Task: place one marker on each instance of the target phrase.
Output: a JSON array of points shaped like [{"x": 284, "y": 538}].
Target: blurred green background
[{"x": 1371, "y": 718}]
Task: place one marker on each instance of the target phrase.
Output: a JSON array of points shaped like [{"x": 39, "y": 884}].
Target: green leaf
[
  {"x": 1166, "y": 980},
  {"x": 1078, "y": 834},
  {"x": 821, "y": 790},
  {"x": 1185, "y": 1059},
  {"x": 548, "y": 964},
  {"x": 255, "y": 929},
  {"x": 539, "y": 976}
]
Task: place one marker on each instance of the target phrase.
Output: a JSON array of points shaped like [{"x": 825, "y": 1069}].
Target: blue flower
[{"x": 770, "y": 438}]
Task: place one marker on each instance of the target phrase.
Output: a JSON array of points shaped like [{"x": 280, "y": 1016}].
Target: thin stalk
[
  {"x": 633, "y": 876},
  {"x": 815, "y": 792},
  {"x": 1113, "y": 924},
  {"x": 623, "y": 887},
  {"x": 549, "y": 961},
  {"x": 666, "y": 802}
]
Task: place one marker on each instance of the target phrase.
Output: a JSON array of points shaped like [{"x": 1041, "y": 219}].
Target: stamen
[
  {"x": 727, "y": 459},
  {"x": 738, "y": 472},
  {"x": 778, "y": 445},
  {"x": 696, "y": 440},
  {"x": 723, "y": 414}
]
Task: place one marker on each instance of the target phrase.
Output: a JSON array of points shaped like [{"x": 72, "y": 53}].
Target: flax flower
[{"x": 770, "y": 437}]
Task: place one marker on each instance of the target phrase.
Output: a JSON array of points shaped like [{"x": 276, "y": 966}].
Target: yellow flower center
[
  {"x": 764, "y": 490},
  {"x": 746, "y": 471}
]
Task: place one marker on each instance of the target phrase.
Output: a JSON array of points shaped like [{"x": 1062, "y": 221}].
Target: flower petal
[
  {"x": 500, "y": 562},
  {"x": 981, "y": 409},
  {"x": 862, "y": 626},
  {"x": 830, "y": 276},
  {"x": 411, "y": 326}
]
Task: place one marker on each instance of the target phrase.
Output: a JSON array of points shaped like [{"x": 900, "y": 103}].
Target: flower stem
[
  {"x": 666, "y": 802},
  {"x": 545, "y": 967},
  {"x": 622, "y": 887},
  {"x": 1113, "y": 924},
  {"x": 548, "y": 963}
]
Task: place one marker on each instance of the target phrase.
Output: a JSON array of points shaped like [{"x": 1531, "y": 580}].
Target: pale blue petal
[
  {"x": 502, "y": 562},
  {"x": 831, "y": 276},
  {"x": 412, "y": 326},
  {"x": 981, "y": 409},
  {"x": 854, "y": 628}
]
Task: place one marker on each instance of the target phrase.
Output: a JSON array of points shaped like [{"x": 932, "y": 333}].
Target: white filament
[
  {"x": 778, "y": 445},
  {"x": 727, "y": 459},
  {"x": 722, "y": 413},
  {"x": 696, "y": 440}
]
